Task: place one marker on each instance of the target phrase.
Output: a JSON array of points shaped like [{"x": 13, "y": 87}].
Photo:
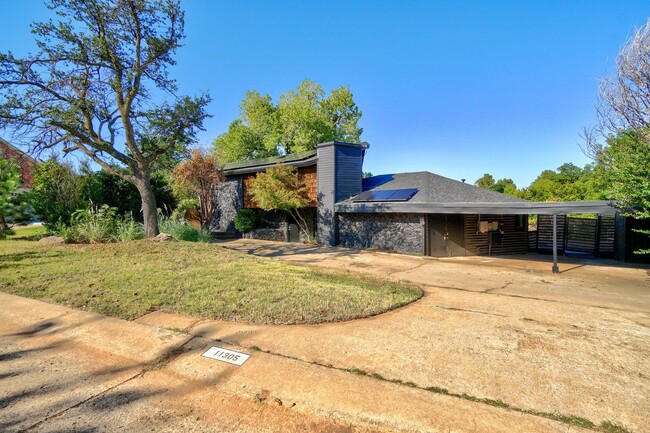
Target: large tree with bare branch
[
  {"x": 96, "y": 84},
  {"x": 621, "y": 139}
]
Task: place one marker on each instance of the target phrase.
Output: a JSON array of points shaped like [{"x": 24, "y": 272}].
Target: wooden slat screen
[
  {"x": 581, "y": 235},
  {"x": 512, "y": 242},
  {"x": 545, "y": 233}
]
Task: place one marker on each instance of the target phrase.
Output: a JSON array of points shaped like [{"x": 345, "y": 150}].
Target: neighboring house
[
  {"x": 26, "y": 162},
  {"x": 416, "y": 213}
]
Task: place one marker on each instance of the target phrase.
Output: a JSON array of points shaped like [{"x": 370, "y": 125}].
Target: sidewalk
[{"x": 67, "y": 370}]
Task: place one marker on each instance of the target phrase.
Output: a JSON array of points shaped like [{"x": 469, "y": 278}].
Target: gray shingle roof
[
  {"x": 439, "y": 194},
  {"x": 433, "y": 188}
]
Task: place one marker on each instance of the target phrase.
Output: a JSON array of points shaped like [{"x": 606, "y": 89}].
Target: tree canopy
[
  {"x": 505, "y": 186},
  {"x": 301, "y": 119},
  {"x": 567, "y": 183},
  {"x": 200, "y": 174},
  {"x": 621, "y": 140},
  {"x": 281, "y": 188},
  {"x": 92, "y": 87}
]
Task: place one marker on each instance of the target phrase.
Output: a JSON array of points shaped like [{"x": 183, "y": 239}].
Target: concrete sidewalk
[{"x": 64, "y": 370}]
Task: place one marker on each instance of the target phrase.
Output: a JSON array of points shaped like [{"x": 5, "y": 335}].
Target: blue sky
[{"x": 456, "y": 88}]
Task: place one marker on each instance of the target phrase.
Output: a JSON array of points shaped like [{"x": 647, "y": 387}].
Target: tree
[
  {"x": 505, "y": 186},
  {"x": 628, "y": 158},
  {"x": 14, "y": 207},
  {"x": 201, "y": 174},
  {"x": 569, "y": 183},
  {"x": 90, "y": 88},
  {"x": 624, "y": 125},
  {"x": 624, "y": 99},
  {"x": 486, "y": 181},
  {"x": 281, "y": 188},
  {"x": 301, "y": 119},
  {"x": 55, "y": 193}
]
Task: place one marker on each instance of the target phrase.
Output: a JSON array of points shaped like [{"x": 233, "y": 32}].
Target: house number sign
[{"x": 225, "y": 355}]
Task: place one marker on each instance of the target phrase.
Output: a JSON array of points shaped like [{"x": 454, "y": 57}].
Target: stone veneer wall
[
  {"x": 402, "y": 233},
  {"x": 229, "y": 201},
  {"x": 272, "y": 226}
]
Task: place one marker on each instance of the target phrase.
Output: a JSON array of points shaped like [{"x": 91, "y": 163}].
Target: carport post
[{"x": 556, "y": 270}]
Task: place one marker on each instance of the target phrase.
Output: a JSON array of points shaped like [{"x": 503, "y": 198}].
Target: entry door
[
  {"x": 294, "y": 232},
  {"x": 446, "y": 235}
]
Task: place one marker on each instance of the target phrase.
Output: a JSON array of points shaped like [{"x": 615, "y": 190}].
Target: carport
[{"x": 442, "y": 212}]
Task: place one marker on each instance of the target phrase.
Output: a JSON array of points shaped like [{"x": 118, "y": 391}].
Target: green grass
[
  {"x": 31, "y": 232},
  {"x": 129, "y": 279}
]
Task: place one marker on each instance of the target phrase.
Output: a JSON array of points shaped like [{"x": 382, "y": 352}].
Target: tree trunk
[{"x": 149, "y": 208}]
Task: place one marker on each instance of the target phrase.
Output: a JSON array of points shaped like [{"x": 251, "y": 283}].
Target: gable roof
[
  {"x": 299, "y": 159},
  {"x": 439, "y": 194}
]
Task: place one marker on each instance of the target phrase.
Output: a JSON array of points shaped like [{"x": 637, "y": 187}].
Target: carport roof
[{"x": 438, "y": 194}]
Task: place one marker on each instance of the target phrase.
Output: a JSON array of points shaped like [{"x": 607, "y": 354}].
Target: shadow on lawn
[{"x": 15, "y": 259}]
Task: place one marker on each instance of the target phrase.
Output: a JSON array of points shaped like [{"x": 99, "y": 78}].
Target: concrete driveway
[{"x": 497, "y": 345}]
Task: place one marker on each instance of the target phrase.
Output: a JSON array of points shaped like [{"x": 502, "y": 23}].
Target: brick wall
[{"x": 26, "y": 163}]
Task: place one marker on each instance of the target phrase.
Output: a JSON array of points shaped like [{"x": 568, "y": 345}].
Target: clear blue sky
[{"x": 456, "y": 88}]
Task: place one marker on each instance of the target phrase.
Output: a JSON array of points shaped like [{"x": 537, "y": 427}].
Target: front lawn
[
  {"x": 27, "y": 232},
  {"x": 130, "y": 279}
]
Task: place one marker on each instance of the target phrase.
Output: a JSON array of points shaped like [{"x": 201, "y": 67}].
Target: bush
[
  {"x": 180, "y": 230},
  {"x": 246, "y": 220},
  {"x": 94, "y": 225},
  {"x": 183, "y": 206},
  {"x": 128, "y": 229},
  {"x": 55, "y": 193},
  {"x": 99, "y": 225}
]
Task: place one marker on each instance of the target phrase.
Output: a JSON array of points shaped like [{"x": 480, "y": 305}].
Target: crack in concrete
[{"x": 533, "y": 298}]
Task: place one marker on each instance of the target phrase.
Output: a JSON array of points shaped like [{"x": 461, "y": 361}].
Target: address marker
[{"x": 225, "y": 355}]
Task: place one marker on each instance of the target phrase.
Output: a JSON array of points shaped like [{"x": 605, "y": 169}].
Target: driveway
[
  {"x": 494, "y": 345},
  {"x": 575, "y": 343}
]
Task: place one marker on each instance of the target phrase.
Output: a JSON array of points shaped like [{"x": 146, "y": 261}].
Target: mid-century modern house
[{"x": 415, "y": 213}]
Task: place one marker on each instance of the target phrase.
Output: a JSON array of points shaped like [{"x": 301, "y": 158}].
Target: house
[
  {"x": 24, "y": 161},
  {"x": 416, "y": 213}
]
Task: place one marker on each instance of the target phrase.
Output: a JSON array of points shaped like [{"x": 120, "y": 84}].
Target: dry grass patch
[{"x": 130, "y": 279}]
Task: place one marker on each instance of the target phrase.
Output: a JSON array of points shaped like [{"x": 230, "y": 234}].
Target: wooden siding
[
  {"x": 308, "y": 176},
  {"x": 512, "y": 242}
]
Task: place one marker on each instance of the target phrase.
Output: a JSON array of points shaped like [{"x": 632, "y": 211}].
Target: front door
[
  {"x": 294, "y": 232},
  {"x": 446, "y": 235}
]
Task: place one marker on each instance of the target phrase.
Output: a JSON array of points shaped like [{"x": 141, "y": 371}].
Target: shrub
[
  {"x": 128, "y": 229},
  {"x": 183, "y": 206},
  {"x": 95, "y": 224},
  {"x": 55, "y": 193},
  {"x": 180, "y": 230},
  {"x": 246, "y": 220}
]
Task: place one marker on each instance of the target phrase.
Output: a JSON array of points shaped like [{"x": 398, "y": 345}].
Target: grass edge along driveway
[{"x": 130, "y": 279}]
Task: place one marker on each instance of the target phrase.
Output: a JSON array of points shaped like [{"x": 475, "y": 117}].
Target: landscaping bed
[{"x": 130, "y": 279}]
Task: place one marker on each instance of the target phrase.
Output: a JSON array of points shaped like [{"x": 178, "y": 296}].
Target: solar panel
[{"x": 386, "y": 195}]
